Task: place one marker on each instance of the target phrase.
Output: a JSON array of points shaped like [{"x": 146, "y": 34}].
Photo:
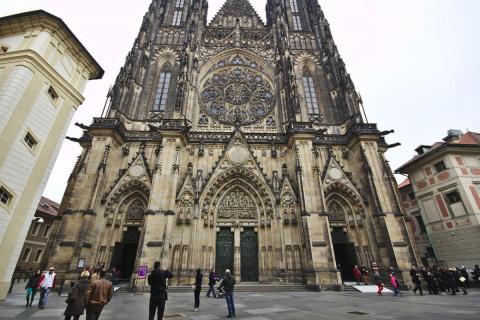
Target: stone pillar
[{"x": 237, "y": 262}]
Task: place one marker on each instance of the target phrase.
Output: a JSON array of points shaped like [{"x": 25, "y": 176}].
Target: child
[{"x": 395, "y": 284}]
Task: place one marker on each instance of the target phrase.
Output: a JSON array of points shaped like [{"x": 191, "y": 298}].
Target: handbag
[{"x": 462, "y": 279}]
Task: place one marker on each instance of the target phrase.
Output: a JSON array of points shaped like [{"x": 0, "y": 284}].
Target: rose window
[{"x": 241, "y": 93}]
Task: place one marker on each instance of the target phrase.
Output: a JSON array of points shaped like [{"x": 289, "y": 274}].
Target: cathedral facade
[{"x": 234, "y": 143}]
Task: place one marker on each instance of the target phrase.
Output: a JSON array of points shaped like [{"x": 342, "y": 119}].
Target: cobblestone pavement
[{"x": 273, "y": 306}]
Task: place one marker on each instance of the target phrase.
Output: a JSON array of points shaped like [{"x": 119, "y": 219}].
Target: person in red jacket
[{"x": 357, "y": 274}]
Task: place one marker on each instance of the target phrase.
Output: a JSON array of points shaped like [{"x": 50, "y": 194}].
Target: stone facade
[
  {"x": 445, "y": 178},
  {"x": 234, "y": 144},
  {"x": 43, "y": 72}
]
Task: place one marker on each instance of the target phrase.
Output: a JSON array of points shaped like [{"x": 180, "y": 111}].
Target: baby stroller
[{"x": 220, "y": 290}]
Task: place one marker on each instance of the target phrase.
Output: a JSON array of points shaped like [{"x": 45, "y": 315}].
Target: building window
[
  {"x": 294, "y": 6},
  {"x": 5, "y": 196},
  {"x": 411, "y": 196},
  {"x": 179, "y": 3},
  {"x": 30, "y": 141},
  {"x": 46, "y": 231},
  {"x": 421, "y": 224},
  {"x": 177, "y": 17},
  {"x": 440, "y": 166},
  {"x": 297, "y": 24},
  {"x": 52, "y": 93},
  {"x": 162, "y": 89},
  {"x": 310, "y": 95},
  {"x": 431, "y": 252},
  {"x": 38, "y": 256},
  {"x": 35, "y": 227},
  {"x": 26, "y": 255},
  {"x": 455, "y": 204}
]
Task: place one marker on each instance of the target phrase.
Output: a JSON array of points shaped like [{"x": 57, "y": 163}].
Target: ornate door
[
  {"x": 249, "y": 255},
  {"x": 224, "y": 252}
]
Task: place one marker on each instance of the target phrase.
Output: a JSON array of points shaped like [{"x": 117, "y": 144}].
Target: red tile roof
[
  {"x": 48, "y": 206},
  {"x": 404, "y": 183},
  {"x": 470, "y": 138}
]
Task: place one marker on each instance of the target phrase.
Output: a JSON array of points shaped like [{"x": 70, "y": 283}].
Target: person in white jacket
[{"x": 46, "y": 283}]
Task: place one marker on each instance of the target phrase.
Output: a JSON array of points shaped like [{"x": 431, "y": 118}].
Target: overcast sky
[{"x": 415, "y": 62}]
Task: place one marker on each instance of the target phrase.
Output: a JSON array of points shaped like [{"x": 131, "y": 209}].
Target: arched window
[
  {"x": 178, "y": 13},
  {"x": 162, "y": 89},
  {"x": 179, "y": 3},
  {"x": 310, "y": 95},
  {"x": 294, "y": 6}
]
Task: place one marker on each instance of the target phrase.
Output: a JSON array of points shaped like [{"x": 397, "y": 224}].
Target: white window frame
[
  {"x": 34, "y": 148},
  {"x": 161, "y": 95},
  {"x": 35, "y": 231},
  {"x": 310, "y": 95},
  {"x": 28, "y": 256},
  {"x": 6, "y": 205}
]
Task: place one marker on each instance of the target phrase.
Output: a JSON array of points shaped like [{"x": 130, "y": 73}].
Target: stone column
[{"x": 237, "y": 255}]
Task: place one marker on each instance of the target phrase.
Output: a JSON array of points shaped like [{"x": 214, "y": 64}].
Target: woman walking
[
  {"x": 378, "y": 282},
  {"x": 75, "y": 300},
  {"x": 395, "y": 284},
  {"x": 197, "y": 287},
  {"x": 31, "y": 287}
]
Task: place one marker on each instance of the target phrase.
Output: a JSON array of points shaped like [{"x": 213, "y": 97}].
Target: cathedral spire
[{"x": 241, "y": 10}]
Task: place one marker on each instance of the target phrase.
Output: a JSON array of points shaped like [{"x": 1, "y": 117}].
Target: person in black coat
[
  {"x": 197, "y": 287},
  {"x": 158, "y": 290},
  {"x": 228, "y": 284},
  {"x": 416, "y": 280},
  {"x": 451, "y": 281},
  {"x": 431, "y": 283},
  {"x": 212, "y": 278},
  {"x": 32, "y": 286},
  {"x": 75, "y": 301}
]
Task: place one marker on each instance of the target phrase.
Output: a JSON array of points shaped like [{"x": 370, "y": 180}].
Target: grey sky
[{"x": 415, "y": 62}]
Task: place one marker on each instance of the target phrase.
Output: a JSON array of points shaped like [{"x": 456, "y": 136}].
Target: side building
[
  {"x": 43, "y": 71},
  {"x": 445, "y": 178},
  {"x": 35, "y": 251}
]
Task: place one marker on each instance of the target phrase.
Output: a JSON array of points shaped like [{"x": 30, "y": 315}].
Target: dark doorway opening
[
  {"x": 125, "y": 252},
  {"x": 224, "y": 251},
  {"x": 249, "y": 255},
  {"x": 344, "y": 254}
]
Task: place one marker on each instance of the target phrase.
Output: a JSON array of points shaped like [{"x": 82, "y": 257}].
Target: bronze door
[
  {"x": 224, "y": 252},
  {"x": 249, "y": 255}
]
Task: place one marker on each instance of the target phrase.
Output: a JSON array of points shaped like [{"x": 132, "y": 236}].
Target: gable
[{"x": 237, "y": 9}]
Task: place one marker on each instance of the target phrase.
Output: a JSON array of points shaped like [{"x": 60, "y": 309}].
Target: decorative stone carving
[{"x": 237, "y": 204}]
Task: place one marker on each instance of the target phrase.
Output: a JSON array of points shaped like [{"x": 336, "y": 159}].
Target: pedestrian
[
  {"x": 437, "y": 274},
  {"x": 31, "y": 287},
  {"x": 212, "y": 279},
  {"x": 75, "y": 300},
  {"x": 460, "y": 280},
  {"x": 46, "y": 283},
  {"x": 228, "y": 284},
  {"x": 197, "y": 287},
  {"x": 431, "y": 283},
  {"x": 395, "y": 284},
  {"x": 464, "y": 273},
  {"x": 95, "y": 275},
  {"x": 357, "y": 274},
  {"x": 416, "y": 280},
  {"x": 364, "y": 271},
  {"x": 476, "y": 274},
  {"x": 97, "y": 296},
  {"x": 451, "y": 281},
  {"x": 158, "y": 290},
  {"x": 378, "y": 281}
]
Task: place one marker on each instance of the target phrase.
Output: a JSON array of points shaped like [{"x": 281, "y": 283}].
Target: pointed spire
[{"x": 240, "y": 11}]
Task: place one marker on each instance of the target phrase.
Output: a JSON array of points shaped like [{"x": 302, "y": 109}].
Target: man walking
[
  {"x": 158, "y": 290},
  {"x": 46, "y": 283},
  {"x": 416, "y": 280},
  {"x": 228, "y": 284},
  {"x": 97, "y": 296},
  {"x": 212, "y": 278}
]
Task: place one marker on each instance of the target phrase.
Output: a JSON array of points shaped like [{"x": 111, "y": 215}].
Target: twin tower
[{"x": 235, "y": 144}]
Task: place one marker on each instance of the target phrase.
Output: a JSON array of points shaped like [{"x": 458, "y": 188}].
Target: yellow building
[{"x": 43, "y": 71}]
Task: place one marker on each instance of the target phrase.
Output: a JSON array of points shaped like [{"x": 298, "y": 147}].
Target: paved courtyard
[{"x": 273, "y": 306}]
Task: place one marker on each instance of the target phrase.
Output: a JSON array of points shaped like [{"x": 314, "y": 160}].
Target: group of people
[
  {"x": 438, "y": 280},
  {"x": 90, "y": 293},
  {"x": 442, "y": 280},
  {"x": 158, "y": 281}
]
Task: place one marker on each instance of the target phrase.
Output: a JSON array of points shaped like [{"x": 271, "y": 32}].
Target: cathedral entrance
[
  {"x": 249, "y": 255},
  {"x": 125, "y": 252},
  {"x": 224, "y": 252},
  {"x": 344, "y": 253}
]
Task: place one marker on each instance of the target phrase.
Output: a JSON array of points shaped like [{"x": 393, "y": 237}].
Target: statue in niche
[
  {"x": 276, "y": 184},
  {"x": 198, "y": 183}
]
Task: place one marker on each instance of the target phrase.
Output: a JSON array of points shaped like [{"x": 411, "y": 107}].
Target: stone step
[{"x": 238, "y": 288}]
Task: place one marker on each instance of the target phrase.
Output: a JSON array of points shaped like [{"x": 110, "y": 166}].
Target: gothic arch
[
  {"x": 125, "y": 191},
  {"x": 132, "y": 207},
  {"x": 344, "y": 193},
  {"x": 237, "y": 177}
]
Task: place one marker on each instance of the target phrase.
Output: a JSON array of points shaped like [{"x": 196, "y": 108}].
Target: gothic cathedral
[{"x": 234, "y": 143}]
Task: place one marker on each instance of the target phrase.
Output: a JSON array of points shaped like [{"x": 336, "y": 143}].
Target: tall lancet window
[
  {"x": 294, "y": 6},
  {"x": 310, "y": 95},
  {"x": 177, "y": 15},
  {"x": 162, "y": 89}
]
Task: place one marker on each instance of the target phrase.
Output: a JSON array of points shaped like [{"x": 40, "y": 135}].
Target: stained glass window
[
  {"x": 310, "y": 95},
  {"x": 162, "y": 89}
]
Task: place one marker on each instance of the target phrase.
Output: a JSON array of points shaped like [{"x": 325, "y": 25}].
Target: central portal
[{"x": 249, "y": 255}]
